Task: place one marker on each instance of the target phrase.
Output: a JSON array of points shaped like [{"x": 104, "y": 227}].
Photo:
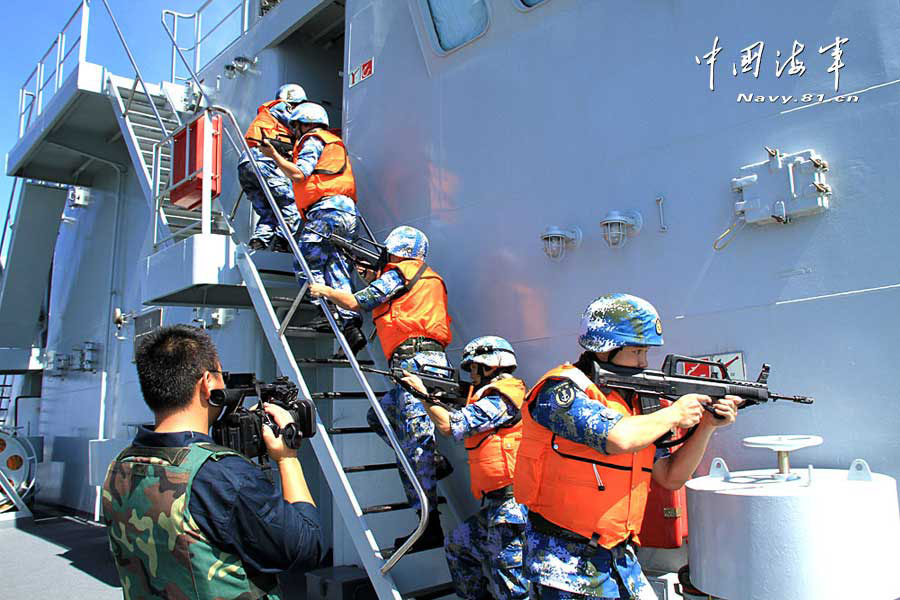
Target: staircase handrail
[
  {"x": 137, "y": 70},
  {"x": 342, "y": 341}
]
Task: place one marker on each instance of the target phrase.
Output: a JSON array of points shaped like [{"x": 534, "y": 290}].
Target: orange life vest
[
  {"x": 576, "y": 487},
  {"x": 419, "y": 312},
  {"x": 331, "y": 176},
  {"x": 265, "y": 124},
  {"x": 492, "y": 454}
]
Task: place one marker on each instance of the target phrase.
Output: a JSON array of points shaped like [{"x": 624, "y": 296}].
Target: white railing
[
  {"x": 47, "y": 76},
  {"x": 230, "y": 25}
]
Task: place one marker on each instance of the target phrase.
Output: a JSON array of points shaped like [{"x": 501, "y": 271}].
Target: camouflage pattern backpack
[{"x": 158, "y": 548}]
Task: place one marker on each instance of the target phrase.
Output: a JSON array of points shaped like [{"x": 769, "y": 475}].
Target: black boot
[
  {"x": 355, "y": 338},
  {"x": 257, "y": 244},
  {"x": 442, "y": 466},
  {"x": 432, "y": 537},
  {"x": 281, "y": 245}
]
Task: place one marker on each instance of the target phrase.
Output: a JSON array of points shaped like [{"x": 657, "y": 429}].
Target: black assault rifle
[
  {"x": 365, "y": 253},
  {"x": 444, "y": 390},
  {"x": 281, "y": 145},
  {"x": 649, "y": 386}
]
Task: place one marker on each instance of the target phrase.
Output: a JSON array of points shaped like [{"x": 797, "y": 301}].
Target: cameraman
[{"x": 188, "y": 518}]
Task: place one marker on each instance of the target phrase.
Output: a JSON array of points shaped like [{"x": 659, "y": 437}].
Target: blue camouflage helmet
[
  {"x": 616, "y": 320},
  {"x": 310, "y": 113},
  {"x": 291, "y": 93},
  {"x": 407, "y": 242},
  {"x": 490, "y": 351}
]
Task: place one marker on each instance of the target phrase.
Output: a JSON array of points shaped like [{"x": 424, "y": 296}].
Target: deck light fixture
[
  {"x": 618, "y": 226},
  {"x": 557, "y": 240}
]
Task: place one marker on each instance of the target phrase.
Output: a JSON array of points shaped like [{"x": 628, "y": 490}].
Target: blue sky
[{"x": 36, "y": 27}]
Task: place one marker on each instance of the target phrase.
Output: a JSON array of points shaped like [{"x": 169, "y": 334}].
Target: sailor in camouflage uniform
[
  {"x": 272, "y": 122},
  {"x": 484, "y": 552},
  {"x": 587, "y": 457},
  {"x": 325, "y": 192},
  {"x": 408, "y": 302}
]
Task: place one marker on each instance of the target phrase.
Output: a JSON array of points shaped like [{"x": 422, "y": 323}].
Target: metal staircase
[
  {"x": 147, "y": 119},
  {"x": 289, "y": 342},
  {"x": 148, "y": 123}
]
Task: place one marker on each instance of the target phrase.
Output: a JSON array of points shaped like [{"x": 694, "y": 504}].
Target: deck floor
[
  {"x": 61, "y": 555},
  {"x": 57, "y": 556}
]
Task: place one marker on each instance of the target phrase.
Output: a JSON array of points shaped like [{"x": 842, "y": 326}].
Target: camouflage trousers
[
  {"x": 485, "y": 550},
  {"x": 282, "y": 192},
  {"x": 543, "y": 592},
  {"x": 560, "y": 569},
  {"x": 413, "y": 428},
  {"x": 326, "y": 262}
]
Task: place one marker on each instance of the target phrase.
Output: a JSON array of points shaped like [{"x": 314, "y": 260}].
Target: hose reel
[{"x": 18, "y": 466}]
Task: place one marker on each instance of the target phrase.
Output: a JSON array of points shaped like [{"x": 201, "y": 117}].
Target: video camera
[{"x": 241, "y": 429}]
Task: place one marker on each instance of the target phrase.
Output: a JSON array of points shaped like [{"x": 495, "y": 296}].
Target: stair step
[
  {"x": 140, "y": 97},
  {"x": 383, "y": 508},
  {"x": 386, "y": 552},
  {"x": 288, "y": 301},
  {"x": 343, "y": 396},
  {"x": 349, "y": 430},
  {"x": 149, "y": 135},
  {"x": 149, "y": 120},
  {"x": 330, "y": 362},
  {"x": 278, "y": 272},
  {"x": 431, "y": 592},
  {"x": 148, "y": 154},
  {"x": 177, "y": 211},
  {"x": 297, "y": 331},
  {"x": 374, "y": 467}
]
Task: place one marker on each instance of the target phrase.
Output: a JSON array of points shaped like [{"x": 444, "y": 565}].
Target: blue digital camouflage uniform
[
  {"x": 406, "y": 414},
  {"x": 279, "y": 184},
  {"x": 487, "y": 547},
  {"x": 335, "y": 214},
  {"x": 560, "y": 569}
]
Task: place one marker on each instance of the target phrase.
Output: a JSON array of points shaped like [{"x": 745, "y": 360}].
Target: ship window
[
  {"x": 458, "y": 22},
  {"x": 530, "y": 3}
]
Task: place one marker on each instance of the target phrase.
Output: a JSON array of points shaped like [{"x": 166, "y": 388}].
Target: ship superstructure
[{"x": 552, "y": 150}]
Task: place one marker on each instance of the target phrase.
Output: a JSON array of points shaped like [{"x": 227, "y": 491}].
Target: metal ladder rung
[
  {"x": 431, "y": 592},
  {"x": 343, "y": 395},
  {"x": 349, "y": 430},
  {"x": 374, "y": 467},
  {"x": 297, "y": 331},
  {"x": 287, "y": 300},
  {"x": 150, "y": 117},
  {"x": 337, "y": 363},
  {"x": 140, "y": 97},
  {"x": 383, "y": 508},
  {"x": 386, "y": 552},
  {"x": 277, "y": 273}
]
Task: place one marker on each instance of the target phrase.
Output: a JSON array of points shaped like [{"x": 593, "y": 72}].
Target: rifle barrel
[{"x": 798, "y": 399}]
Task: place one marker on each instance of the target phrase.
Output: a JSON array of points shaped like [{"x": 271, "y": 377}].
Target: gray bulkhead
[{"x": 559, "y": 114}]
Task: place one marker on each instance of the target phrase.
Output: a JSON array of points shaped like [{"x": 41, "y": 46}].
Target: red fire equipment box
[
  {"x": 665, "y": 520},
  {"x": 189, "y": 142}
]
